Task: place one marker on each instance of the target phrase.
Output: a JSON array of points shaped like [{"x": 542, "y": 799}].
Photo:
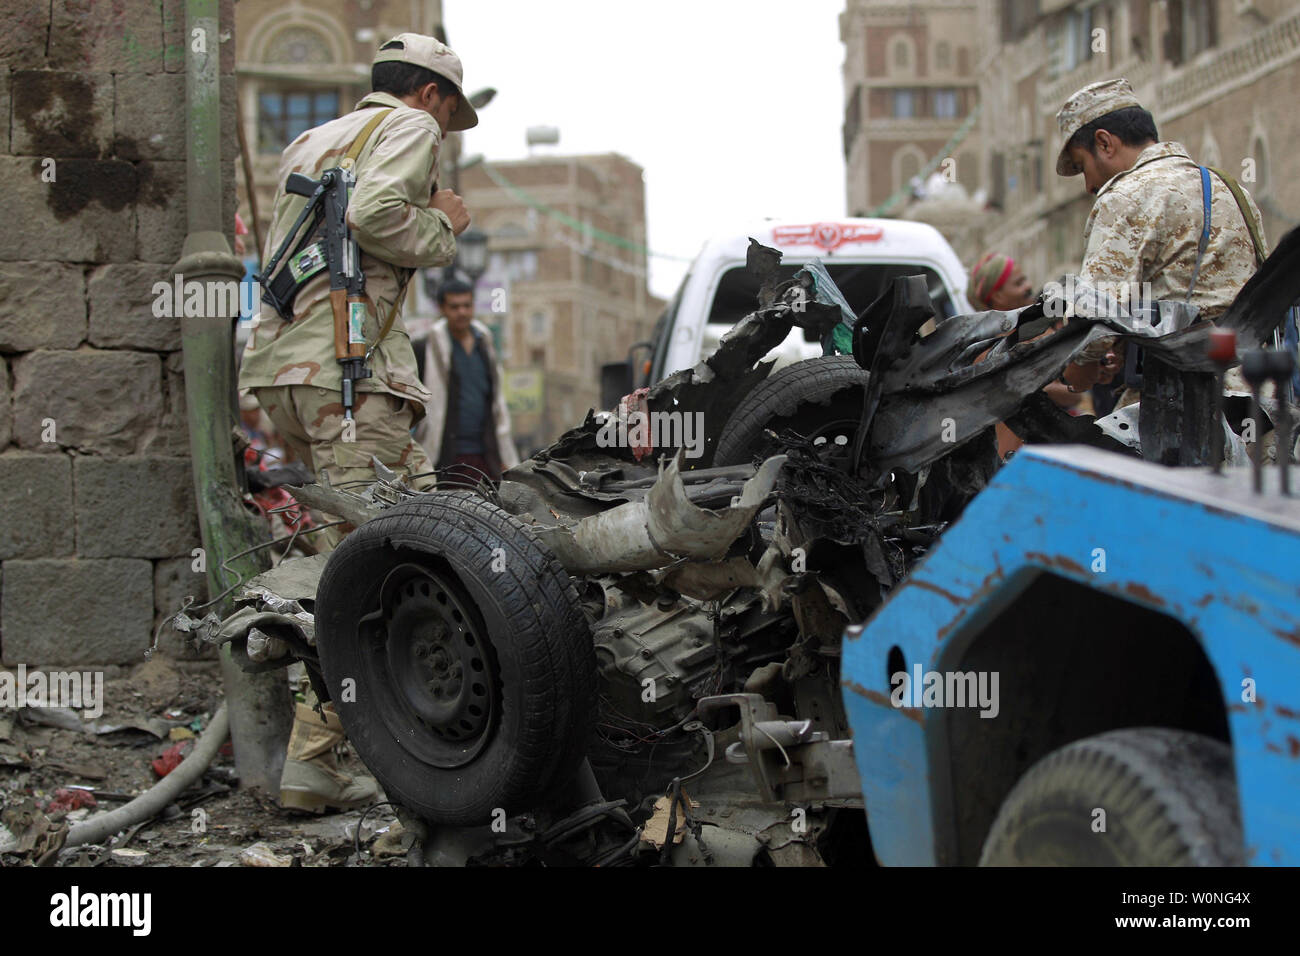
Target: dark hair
[
  {"x": 453, "y": 287},
  {"x": 1133, "y": 125},
  {"x": 403, "y": 79}
]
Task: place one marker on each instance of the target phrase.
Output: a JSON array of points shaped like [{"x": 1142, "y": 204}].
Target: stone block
[
  {"x": 121, "y": 301},
  {"x": 6, "y": 406},
  {"x": 134, "y": 507},
  {"x": 62, "y": 114},
  {"x": 76, "y": 611},
  {"x": 171, "y": 437},
  {"x": 125, "y": 36},
  {"x": 160, "y": 213},
  {"x": 87, "y": 214},
  {"x": 36, "y": 506},
  {"x": 175, "y": 579},
  {"x": 42, "y": 306},
  {"x": 24, "y": 27},
  {"x": 149, "y": 116},
  {"x": 98, "y": 402}
]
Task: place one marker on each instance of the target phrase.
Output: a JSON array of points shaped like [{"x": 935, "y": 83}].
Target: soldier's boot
[{"x": 313, "y": 779}]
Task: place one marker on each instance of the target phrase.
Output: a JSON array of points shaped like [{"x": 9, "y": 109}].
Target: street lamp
[{"x": 472, "y": 253}]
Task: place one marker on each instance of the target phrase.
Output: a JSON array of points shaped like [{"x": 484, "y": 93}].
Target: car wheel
[
  {"x": 819, "y": 398},
  {"x": 1166, "y": 798},
  {"x": 452, "y": 643}
]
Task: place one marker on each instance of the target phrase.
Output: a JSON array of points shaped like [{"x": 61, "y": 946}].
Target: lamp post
[
  {"x": 471, "y": 260},
  {"x": 472, "y": 253}
]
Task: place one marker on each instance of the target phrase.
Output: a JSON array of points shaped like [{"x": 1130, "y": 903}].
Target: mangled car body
[{"x": 624, "y": 655}]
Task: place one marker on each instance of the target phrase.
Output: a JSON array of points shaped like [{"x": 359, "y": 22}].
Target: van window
[
  {"x": 862, "y": 283},
  {"x": 661, "y": 335}
]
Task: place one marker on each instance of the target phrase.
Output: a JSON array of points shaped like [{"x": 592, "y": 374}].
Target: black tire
[
  {"x": 1169, "y": 797},
  {"x": 411, "y": 600},
  {"x": 817, "y": 397}
]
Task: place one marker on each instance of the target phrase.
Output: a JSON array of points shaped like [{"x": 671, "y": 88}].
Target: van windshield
[{"x": 861, "y": 283}]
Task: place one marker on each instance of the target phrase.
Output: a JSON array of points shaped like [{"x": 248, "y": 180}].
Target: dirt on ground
[{"x": 59, "y": 767}]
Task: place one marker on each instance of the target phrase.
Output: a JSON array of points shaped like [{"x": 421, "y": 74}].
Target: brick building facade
[
  {"x": 909, "y": 84},
  {"x": 1219, "y": 76},
  {"x": 574, "y": 300}
]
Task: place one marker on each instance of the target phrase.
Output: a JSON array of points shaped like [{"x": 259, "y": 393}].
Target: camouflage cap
[
  {"x": 432, "y": 54},
  {"x": 1092, "y": 102}
]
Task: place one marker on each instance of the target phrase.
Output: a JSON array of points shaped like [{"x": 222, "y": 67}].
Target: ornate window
[{"x": 297, "y": 44}]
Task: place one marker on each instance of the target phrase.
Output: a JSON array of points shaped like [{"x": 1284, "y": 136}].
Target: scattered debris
[
  {"x": 67, "y": 799},
  {"x": 655, "y": 832},
  {"x": 170, "y": 758},
  {"x": 260, "y": 854}
]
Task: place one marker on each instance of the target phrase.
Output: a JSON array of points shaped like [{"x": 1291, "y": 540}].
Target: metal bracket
[{"x": 764, "y": 740}]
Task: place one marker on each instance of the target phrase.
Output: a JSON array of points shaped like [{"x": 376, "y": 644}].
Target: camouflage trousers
[{"x": 310, "y": 422}]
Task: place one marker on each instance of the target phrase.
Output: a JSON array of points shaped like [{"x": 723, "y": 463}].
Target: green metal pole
[{"x": 258, "y": 704}]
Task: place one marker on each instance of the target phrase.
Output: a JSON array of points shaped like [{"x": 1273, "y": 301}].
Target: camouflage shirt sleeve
[
  {"x": 1119, "y": 243},
  {"x": 389, "y": 211}
]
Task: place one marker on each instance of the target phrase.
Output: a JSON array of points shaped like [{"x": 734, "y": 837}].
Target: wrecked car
[{"x": 622, "y": 655}]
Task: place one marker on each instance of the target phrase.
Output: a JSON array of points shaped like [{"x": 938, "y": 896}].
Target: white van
[{"x": 862, "y": 256}]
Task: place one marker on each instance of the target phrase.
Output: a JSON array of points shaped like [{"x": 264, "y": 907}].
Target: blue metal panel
[{"x": 1198, "y": 547}]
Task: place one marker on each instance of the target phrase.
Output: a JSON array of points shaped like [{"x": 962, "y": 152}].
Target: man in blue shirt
[{"x": 467, "y": 429}]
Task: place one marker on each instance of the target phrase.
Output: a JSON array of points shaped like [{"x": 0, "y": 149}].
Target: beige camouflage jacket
[
  {"x": 1146, "y": 224},
  {"x": 394, "y": 227}
]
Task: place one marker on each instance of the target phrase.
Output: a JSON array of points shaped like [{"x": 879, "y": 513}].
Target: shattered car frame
[{"x": 612, "y": 658}]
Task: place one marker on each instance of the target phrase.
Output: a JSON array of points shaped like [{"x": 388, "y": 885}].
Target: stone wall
[{"x": 97, "y": 517}]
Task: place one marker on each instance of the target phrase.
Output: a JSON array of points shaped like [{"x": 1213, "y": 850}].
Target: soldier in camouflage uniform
[
  {"x": 400, "y": 224},
  {"x": 1146, "y": 223}
]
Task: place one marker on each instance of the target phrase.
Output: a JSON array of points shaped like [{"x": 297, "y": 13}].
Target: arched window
[
  {"x": 287, "y": 109},
  {"x": 907, "y": 164},
  {"x": 902, "y": 55},
  {"x": 298, "y": 44}
]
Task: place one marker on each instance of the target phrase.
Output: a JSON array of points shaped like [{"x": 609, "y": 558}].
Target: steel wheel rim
[{"x": 429, "y": 659}]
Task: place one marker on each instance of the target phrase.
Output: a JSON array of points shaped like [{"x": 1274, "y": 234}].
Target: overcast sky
[{"x": 732, "y": 107}]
